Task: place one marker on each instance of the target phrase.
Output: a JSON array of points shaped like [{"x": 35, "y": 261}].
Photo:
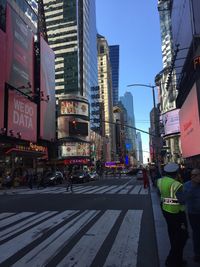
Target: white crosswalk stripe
[
  {"x": 125, "y": 189},
  {"x": 50, "y": 232}
]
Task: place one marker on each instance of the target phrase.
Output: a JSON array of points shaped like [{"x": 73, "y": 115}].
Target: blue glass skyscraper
[{"x": 114, "y": 61}]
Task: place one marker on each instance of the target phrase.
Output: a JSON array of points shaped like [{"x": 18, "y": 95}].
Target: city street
[{"x": 107, "y": 222}]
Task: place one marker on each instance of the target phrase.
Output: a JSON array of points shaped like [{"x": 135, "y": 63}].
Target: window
[{"x": 3, "y": 15}]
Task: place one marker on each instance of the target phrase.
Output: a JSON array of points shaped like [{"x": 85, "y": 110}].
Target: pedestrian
[
  {"x": 191, "y": 197},
  {"x": 174, "y": 214},
  {"x": 145, "y": 178},
  {"x": 69, "y": 178}
]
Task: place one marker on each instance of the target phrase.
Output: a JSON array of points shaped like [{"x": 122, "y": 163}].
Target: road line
[
  {"x": 135, "y": 190},
  {"x": 26, "y": 238},
  {"x": 106, "y": 190},
  {"x": 126, "y": 189},
  {"x": 125, "y": 246},
  {"x": 5, "y": 214},
  {"x": 84, "y": 252},
  {"x": 45, "y": 251},
  {"x": 99, "y": 189},
  {"x": 15, "y": 218},
  {"x": 23, "y": 225}
]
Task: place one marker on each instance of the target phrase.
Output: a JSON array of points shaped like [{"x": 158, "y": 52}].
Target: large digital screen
[
  {"x": 47, "y": 89},
  {"x": 22, "y": 117},
  {"x": 19, "y": 52},
  {"x": 171, "y": 122},
  {"x": 71, "y": 107},
  {"x": 2, "y": 75},
  {"x": 76, "y": 149},
  {"x": 189, "y": 125}
]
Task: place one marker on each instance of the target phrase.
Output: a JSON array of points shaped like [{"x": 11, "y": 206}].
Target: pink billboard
[
  {"x": 171, "y": 122},
  {"x": 47, "y": 89},
  {"x": 22, "y": 117},
  {"x": 189, "y": 125},
  {"x": 2, "y": 75},
  {"x": 19, "y": 52}
]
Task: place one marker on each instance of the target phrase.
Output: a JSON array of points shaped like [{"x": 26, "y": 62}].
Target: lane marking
[
  {"x": 84, "y": 252},
  {"x": 125, "y": 246}
]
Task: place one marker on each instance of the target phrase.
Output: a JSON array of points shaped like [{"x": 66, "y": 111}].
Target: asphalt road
[{"x": 103, "y": 223}]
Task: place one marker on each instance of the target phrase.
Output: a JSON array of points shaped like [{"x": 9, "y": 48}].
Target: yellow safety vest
[{"x": 168, "y": 188}]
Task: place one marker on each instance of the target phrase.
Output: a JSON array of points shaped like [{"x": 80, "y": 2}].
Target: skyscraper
[
  {"x": 127, "y": 101},
  {"x": 139, "y": 148},
  {"x": 105, "y": 89},
  {"x": 71, "y": 28},
  {"x": 114, "y": 61}
]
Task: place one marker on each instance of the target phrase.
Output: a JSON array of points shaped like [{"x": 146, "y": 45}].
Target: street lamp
[{"x": 154, "y": 107}]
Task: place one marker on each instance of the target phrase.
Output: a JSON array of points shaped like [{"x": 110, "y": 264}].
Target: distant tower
[
  {"x": 127, "y": 101},
  {"x": 114, "y": 60},
  {"x": 139, "y": 148}
]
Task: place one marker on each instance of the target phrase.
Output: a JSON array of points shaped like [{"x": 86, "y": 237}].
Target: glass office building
[
  {"x": 114, "y": 61},
  {"x": 71, "y": 27}
]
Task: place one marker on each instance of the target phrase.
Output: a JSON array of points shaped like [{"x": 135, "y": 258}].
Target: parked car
[
  {"x": 53, "y": 178},
  {"x": 139, "y": 175},
  {"x": 132, "y": 171}
]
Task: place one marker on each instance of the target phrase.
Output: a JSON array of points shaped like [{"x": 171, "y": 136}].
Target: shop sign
[
  {"x": 76, "y": 161},
  {"x": 31, "y": 147}
]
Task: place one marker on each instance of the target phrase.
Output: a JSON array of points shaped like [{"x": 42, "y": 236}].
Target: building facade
[
  {"x": 166, "y": 82},
  {"x": 114, "y": 61},
  {"x": 105, "y": 89},
  {"x": 71, "y": 28},
  {"x": 186, "y": 29}
]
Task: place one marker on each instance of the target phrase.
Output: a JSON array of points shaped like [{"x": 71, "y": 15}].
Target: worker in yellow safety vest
[{"x": 174, "y": 214}]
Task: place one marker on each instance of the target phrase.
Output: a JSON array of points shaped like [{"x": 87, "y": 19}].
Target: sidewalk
[{"x": 162, "y": 236}]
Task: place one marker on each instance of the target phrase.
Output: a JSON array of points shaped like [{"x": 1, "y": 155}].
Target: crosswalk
[
  {"x": 125, "y": 189},
  {"x": 70, "y": 238}
]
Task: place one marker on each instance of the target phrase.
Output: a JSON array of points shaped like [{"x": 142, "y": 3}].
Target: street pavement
[
  {"x": 103, "y": 223},
  {"x": 111, "y": 222}
]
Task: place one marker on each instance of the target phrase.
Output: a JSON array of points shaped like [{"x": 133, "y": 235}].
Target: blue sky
[{"x": 134, "y": 25}]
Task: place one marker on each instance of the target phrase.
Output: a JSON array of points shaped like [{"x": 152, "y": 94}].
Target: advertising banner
[
  {"x": 2, "y": 75},
  {"x": 171, "y": 122},
  {"x": 22, "y": 117},
  {"x": 19, "y": 52},
  {"x": 73, "y": 108},
  {"x": 47, "y": 89},
  {"x": 190, "y": 126},
  {"x": 77, "y": 149}
]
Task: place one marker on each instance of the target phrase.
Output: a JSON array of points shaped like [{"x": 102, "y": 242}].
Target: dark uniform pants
[{"x": 178, "y": 235}]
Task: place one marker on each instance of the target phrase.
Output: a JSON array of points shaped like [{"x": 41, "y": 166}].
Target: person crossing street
[{"x": 174, "y": 214}]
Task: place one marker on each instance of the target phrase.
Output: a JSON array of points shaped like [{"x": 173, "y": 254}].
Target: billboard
[
  {"x": 171, "y": 122},
  {"x": 77, "y": 149},
  {"x": 22, "y": 117},
  {"x": 19, "y": 52},
  {"x": 2, "y": 75},
  {"x": 47, "y": 90},
  {"x": 71, "y": 107},
  {"x": 189, "y": 125}
]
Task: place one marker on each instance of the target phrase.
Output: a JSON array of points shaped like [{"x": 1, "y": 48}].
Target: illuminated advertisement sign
[
  {"x": 75, "y": 150},
  {"x": 22, "y": 117},
  {"x": 47, "y": 88},
  {"x": 171, "y": 122},
  {"x": 19, "y": 52},
  {"x": 70, "y": 107},
  {"x": 2, "y": 75},
  {"x": 189, "y": 125}
]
